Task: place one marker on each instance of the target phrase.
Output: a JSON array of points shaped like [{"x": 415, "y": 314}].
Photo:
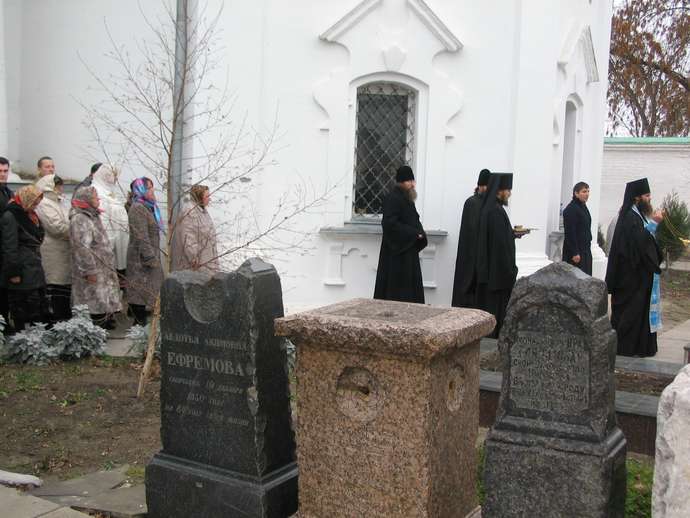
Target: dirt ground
[
  {"x": 69, "y": 419},
  {"x": 74, "y": 418}
]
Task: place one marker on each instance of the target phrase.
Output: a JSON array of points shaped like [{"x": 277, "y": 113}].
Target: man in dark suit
[
  {"x": 399, "y": 274},
  {"x": 5, "y": 196},
  {"x": 577, "y": 224}
]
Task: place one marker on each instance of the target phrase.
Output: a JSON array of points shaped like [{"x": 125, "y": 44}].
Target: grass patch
[
  {"x": 28, "y": 379},
  {"x": 481, "y": 494},
  {"x": 638, "y": 501},
  {"x": 136, "y": 474}
]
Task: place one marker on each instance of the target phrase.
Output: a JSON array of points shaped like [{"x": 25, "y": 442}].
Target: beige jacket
[
  {"x": 55, "y": 250},
  {"x": 194, "y": 243}
]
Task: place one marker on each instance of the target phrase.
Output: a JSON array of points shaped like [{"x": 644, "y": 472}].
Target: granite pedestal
[{"x": 388, "y": 410}]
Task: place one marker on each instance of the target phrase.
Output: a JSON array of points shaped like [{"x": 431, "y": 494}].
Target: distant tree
[
  {"x": 649, "y": 68},
  {"x": 674, "y": 229}
]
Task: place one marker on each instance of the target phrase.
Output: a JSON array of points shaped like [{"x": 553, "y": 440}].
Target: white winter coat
[
  {"x": 55, "y": 250},
  {"x": 114, "y": 215}
]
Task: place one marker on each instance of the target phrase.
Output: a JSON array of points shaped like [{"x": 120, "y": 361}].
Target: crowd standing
[
  {"x": 53, "y": 258},
  {"x": 100, "y": 248},
  {"x": 486, "y": 269}
]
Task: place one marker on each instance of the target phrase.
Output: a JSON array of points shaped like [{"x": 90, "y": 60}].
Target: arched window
[{"x": 384, "y": 140}]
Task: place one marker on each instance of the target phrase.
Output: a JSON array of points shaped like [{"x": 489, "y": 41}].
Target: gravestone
[
  {"x": 388, "y": 408},
  {"x": 555, "y": 449},
  {"x": 671, "y": 494},
  {"x": 227, "y": 444}
]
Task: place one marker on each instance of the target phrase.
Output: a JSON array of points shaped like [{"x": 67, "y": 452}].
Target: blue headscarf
[{"x": 139, "y": 189}]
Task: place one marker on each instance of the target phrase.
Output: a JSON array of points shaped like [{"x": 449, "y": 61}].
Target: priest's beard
[
  {"x": 411, "y": 194},
  {"x": 503, "y": 201},
  {"x": 645, "y": 208}
]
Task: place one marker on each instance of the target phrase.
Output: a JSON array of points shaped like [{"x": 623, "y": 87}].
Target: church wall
[
  {"x": 666, "y": 165},
  {"x": 496, "y": 101},
  {"x": 48, "y": 81}
]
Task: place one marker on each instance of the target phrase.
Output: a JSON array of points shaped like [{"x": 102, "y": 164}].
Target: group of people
[
  {"x": 57, "y": 253},
  {"x": 486, "y": 269}
]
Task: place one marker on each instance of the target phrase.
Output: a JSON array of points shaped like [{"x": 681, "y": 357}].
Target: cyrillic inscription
[
  {"x": 217, "y": 343},
  {"x": 549, "y": 373},
  {"x": 214, "y": 365}
]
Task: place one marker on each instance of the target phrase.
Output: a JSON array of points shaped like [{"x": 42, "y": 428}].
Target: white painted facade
[
  {"x": 511, "y": 85},
  {"x": 664, "y": 161}
]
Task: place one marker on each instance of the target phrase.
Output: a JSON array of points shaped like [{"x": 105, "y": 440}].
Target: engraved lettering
[
  {"x": 549, "y": 373},
  {"x": 181, "y": 338},
  {"x": 193, "y": 361}
]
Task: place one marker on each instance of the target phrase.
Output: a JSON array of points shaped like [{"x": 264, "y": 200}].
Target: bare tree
[
  {"x": 649, "y": 68},
  {"x": 161, "y": 113}
]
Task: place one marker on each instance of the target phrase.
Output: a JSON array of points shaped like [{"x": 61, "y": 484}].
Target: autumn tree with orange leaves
[{"x": 649, "y": 68}]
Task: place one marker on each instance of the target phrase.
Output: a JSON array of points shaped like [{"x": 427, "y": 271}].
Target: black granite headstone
[
  {"x": 555, "y": 449},
  {"x": 228, "y": 445}
]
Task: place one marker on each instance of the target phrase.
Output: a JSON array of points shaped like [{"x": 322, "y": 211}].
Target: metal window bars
[{"x": 384, "y": 140}]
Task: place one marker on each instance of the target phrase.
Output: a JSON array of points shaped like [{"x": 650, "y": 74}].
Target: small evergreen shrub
[
  {"x": 291, "y": 355},
  {"x": 30, "y": 346},
  {"x": 139, "y": 335},
  {"x": 78, "y": 336},
  {"x": 678, "y": 218}
]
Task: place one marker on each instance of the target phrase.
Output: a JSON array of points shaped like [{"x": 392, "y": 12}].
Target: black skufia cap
[
  {"x": 638, "y": 187},
  {"x": 483, "y": 179},
  {"x": 505, "y": 181},
  {"x": 403, "y": 174}
]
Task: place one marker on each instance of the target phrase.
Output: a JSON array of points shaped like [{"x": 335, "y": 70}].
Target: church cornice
[
  {"x": 421, "y": 9},
  {"x": 580, "y": 38}
]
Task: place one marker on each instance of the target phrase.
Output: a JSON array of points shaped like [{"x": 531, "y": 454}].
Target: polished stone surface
[{"x": 225, "y": 411}]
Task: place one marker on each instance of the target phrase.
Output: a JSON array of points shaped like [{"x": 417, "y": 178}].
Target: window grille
[{"x": 384, "y": 140}]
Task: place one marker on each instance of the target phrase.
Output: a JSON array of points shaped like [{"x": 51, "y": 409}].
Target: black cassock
[
  {"x": 633, "y": 260},
  {"x": 465, "y": 281},
  {"x": 399, "y": 274},
  {"x": 577, "y": 224},
  {"x": 496, "y": 268}
]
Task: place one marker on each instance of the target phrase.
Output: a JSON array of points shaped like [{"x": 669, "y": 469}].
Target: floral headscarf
[
  {"x": 139, "y": 189},
  {"x": 26, "y": 198},
  {"x": 83, "y": 201}
]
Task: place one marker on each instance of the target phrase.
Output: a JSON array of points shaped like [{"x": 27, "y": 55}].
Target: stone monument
[
  {"x": 671, "y": 494},
  {"x": 228, "y": 446},
  {"x": 555, "y": 449},
  {"x": 388, "y": 406}
]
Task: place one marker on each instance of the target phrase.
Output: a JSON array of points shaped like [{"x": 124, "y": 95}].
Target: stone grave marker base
[
  {"x": 557, "y": 478},
  {"x": 186, "y": 488}
]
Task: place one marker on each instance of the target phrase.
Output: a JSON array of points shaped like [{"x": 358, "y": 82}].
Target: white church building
[{"x": 359, "y": 87}]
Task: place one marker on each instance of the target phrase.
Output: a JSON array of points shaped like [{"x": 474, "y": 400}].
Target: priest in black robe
[
  {"x": 399, "y": 274},
  {"x": 496, "y": 268},
  {"x": 465, "y": 281},
  {"x": 577, "y": 226},
  {"x": 633, "y": 260}
]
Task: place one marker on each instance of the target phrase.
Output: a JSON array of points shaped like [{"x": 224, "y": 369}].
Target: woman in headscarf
[
  {"x": 114, "y": 214},
  {"x": 144, "y": 272},
  {"x": 94, "y": 278},
  {"x": 22, "y": 272},
  {"x": 194, "y": 242},
  {"x": 55, "y": 250}
]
